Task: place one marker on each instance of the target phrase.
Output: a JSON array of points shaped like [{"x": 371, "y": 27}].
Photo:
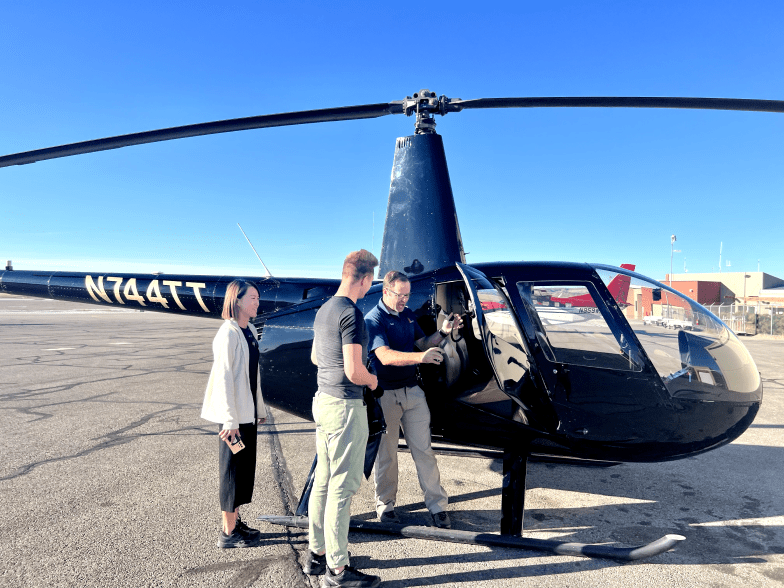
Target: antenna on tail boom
[{"x": 269, "y": 275}]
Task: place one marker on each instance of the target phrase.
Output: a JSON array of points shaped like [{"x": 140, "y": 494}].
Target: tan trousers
[
  {"x": 341, "y": 438},
  {"x": 407, "y": 407}
]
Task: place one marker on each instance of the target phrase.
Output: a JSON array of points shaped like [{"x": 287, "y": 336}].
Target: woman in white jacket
[{"x": 233, "y": 399}]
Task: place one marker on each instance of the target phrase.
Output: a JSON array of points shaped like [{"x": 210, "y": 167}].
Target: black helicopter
[{"x": 529, "y": 375}]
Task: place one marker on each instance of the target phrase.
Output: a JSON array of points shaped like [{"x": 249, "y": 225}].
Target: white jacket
[{"x": 228, "y": 397}]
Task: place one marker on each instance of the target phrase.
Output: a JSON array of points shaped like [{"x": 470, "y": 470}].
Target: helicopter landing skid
[
  {"x": 512, "y": 510},
  {"x": 491, "y": 539}
]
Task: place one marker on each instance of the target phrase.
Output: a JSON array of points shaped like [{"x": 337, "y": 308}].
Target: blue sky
[{"x": 606, "y": 186}]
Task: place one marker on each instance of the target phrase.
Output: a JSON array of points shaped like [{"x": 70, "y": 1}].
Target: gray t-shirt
[{"x": 339, "y": 322}]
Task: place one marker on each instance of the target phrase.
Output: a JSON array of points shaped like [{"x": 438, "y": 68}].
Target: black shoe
[
  {"x": 237, "y": 539},
  {"x": 245, "y": 529},
  {"x": 316, "y": 564},
  {"x": 389, "y": 516},
  {"x": 349, "y": 577},
  {"x": 441, "y": 520}
]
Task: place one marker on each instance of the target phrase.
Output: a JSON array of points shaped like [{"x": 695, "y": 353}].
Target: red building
[
  {"x": 703, "y": 292},
  {"x": 642, "y": 304}
]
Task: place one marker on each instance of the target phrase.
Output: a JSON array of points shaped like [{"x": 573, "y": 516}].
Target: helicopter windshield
[
  {"x": 571, "y": 327},
  {"x": 693, "y": 351}
]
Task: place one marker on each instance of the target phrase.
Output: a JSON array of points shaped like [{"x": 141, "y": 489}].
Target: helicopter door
[
  {"x": 495, "y": 325},
  {"x": 477, "y": 282}
]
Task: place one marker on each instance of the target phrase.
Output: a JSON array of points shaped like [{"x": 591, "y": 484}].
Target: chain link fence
[{"x": 751, "y": 320}]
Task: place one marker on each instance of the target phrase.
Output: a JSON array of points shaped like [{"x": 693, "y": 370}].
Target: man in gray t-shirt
[
  {"x": 340, "y": 352},
  {"x": 329, "y": 342}
]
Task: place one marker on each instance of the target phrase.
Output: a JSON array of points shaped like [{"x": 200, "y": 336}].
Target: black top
[
  {"x": 253, "y": 365},
  {"x": 339, "y": 322}
]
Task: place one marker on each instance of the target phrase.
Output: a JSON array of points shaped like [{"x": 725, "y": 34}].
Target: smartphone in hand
[{"x": 235, "y": 443}]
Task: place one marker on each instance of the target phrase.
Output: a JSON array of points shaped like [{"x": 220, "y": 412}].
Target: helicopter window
[
  {"x": 504, "y": 340},
  {"x": 575, "y": 331},
  {"x": 690, "y": 348}
]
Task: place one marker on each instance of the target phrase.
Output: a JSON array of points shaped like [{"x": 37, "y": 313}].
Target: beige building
[{"x": 735, "y": 286}]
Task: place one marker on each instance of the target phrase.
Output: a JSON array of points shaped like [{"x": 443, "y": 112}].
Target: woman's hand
[
  {"x": 261, "y": 421},
  {"x": 229, "y": 434}
]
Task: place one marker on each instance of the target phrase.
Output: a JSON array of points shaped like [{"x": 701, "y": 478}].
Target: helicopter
[{"x": 522, "y": 379}]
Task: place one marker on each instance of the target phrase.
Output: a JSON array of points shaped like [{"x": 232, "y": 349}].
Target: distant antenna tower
[
  {"x": 721, "y": 244},
  {"x": 269, "y": 275}
]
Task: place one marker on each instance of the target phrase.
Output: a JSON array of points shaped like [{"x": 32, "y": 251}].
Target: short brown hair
[
  {"x": 358, "y": 264},
  {"x": 394, "y": 276},
  {"x": 234, "y": 291}
]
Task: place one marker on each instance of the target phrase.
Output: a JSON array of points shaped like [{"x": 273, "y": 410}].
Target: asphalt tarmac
[{"x": 108, "y": 478}]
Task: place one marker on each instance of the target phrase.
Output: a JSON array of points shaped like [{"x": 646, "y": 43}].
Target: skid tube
[
  {"x": 491, "y": 539},
  {"x": 512, "y": 509}
]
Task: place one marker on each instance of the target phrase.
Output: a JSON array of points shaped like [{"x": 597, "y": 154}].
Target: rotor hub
[{"x": 425, "y": 104}]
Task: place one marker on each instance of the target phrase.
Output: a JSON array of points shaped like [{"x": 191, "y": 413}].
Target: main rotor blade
[
  {"x": 623, "y": 102},
  {"x": 210, "y": 128},
  {"x": 382, "y": 109}
]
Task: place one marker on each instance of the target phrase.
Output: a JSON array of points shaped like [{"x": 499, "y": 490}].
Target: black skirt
[{"x": 237, "y": 471}]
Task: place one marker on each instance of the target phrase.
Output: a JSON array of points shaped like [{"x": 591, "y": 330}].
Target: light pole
[
  {"x": 673, "y": 238},
  {"x": 745, "y": 275}
]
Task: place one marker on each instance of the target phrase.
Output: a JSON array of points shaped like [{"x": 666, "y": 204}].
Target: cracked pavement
[{"x": 108, "y": 479}]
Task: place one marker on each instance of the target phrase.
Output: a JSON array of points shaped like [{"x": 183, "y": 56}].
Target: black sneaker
[
  {"x": 237, "y": 539},
  {"x": 316, "y": 564},
  {"x": 389, "y": 516},
  {"x": 349, "y": 577},
  {"x": 245, "y": 529},
  {"x": 441, "y": 520}
]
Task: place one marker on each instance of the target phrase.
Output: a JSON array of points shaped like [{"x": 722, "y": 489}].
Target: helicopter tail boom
[{"x": 180, "y": 294}]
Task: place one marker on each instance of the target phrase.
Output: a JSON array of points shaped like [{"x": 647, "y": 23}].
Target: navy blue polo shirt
[{"x": 398, "y": 332}]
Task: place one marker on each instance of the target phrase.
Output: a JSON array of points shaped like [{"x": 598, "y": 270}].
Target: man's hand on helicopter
[
  {"x": 433, "y": 355},
  {"x": 454, "y": 322}
]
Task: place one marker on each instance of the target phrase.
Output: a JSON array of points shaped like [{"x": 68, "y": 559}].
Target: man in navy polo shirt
[{"x": 394, "y": 333}]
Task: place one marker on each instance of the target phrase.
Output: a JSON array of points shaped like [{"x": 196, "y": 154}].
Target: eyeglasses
[{"x": 398, "y": 296}]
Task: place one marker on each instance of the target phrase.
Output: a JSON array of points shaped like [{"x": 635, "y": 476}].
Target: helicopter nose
[{"x": 715, "y": 367}]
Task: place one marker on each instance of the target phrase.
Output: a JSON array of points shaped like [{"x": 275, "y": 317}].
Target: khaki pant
[
  {"x": 407, "y": 406},
  {"x": 341, "y": 437}
]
